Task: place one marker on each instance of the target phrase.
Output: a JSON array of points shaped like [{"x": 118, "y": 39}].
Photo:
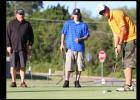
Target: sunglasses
[{"x": 21, "y": 14}]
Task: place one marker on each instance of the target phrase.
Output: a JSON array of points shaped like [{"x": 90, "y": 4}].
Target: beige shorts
[{"x": 74, "y": 61}]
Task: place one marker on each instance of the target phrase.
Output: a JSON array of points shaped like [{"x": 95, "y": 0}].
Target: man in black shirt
[{"x": 19, "y": 40}]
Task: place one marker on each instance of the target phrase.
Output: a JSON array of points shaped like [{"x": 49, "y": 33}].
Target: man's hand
[
  {"x": 29, "y": 48},
  {"x": 117, "y": 50},
  {"x": 9, "y": 50},
  {"x": 61, "y": 47},
  {"x": 77, "y": 40}
]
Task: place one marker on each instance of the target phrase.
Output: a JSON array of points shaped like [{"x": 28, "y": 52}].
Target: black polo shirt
[{"x": 19, "y": 35}]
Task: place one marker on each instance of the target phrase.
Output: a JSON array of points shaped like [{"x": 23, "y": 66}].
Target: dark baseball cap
[
  {"x": 76, "y": 11},
  {"x": 20, "y": 11}
]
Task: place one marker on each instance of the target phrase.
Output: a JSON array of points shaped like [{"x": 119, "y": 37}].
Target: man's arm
[
  {"x": 116, "y": 40},
  {"x": 31, "y": 36},
  {"x": 119, "y": 43},
  {"x": 82, "y": 38},
  {"x": 124, "y": 31},
  {"x": 62, "y": 42},
  {"x": 30, "y": 41},
  {"x": 8, "y": 41},
  {"x": 120, "y": 18},
  {"x": 63, "y": 34},
  {"x": 86, "y": 34}
]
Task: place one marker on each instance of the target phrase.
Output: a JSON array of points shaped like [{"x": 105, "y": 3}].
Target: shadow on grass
[
  {"x": 36, "y": 77},
  {"x": 54, "y": 90},
  {"x": 35, "y": 91}
]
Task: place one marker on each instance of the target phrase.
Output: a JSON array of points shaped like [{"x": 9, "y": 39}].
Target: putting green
[{"x": 43, "y": 89}]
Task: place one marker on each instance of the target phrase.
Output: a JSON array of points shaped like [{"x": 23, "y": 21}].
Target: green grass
[
  {"x": 47, "y": 89},
  {"x": 68, "y": 93}
]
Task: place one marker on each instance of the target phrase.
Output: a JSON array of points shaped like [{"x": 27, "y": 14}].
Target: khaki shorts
[
  {"x": 129, "y": 54},
  {"x": 74, "y": 61}
]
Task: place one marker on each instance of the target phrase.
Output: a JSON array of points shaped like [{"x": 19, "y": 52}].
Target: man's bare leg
[
  {"x": 128, "y": 75},
  {"x": 13, "y": 74},
  {"x": 67, "y": 77},
  {"x": 77, "y": 83},
  {"x": 22, "y": 74},
  {"x": 78, "y": 74}
]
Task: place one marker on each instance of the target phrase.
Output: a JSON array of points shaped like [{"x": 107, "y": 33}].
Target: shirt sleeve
[
  {"x": 65, "y": 28},
  {"x": 120, "y": 18},
  {"x": 86, "y": 31},
  {"x": 8, "y": 41},
  {"x": 31, "y": 35}
]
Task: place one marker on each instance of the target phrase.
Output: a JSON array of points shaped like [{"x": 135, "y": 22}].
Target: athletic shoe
[
  {"x": 13, "y": 84},
  {"x": 77, "y": 84},
  {"x": 66, "y": 84},
  {"x": 23, "y": 84},
  {"x": 125, "y": 88}
]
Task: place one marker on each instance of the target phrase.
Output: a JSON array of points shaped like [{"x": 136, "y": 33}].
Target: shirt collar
[{"x": 75, "y": 23}]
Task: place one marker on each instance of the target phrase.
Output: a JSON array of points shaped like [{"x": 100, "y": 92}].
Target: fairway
[{"x": 47, "y": 89}]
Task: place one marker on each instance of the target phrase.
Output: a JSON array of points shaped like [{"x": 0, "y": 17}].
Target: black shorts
[{"x": 18, "y": 59}]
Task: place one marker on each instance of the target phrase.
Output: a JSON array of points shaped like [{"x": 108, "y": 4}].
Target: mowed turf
[{"x": 47, "y": 89}]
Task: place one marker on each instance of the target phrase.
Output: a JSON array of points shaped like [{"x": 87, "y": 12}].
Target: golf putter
[
  {"x": 30, "y": 70},
  {"x": 63, "y": 57},
  {"x": 29, "y": 64},
  {"x": 30, "y": 67},
  {"x": 114, "y": 68}
]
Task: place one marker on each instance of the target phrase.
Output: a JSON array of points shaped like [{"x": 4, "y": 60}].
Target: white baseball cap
[{"x": 100, "y": 8}]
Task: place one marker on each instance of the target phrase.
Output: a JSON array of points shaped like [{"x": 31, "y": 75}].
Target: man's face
[
  {"x": 76, "y": 17},
  {"x": 20, "y": 17},
  {"x": 105, "y": 13}
]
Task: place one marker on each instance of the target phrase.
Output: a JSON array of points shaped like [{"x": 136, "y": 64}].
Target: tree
[
  {"x": 28, "y": 6},
  {"x": 86, "y": 13},
  {"x": 56, "y": 13},
  {"x": 9, "y": 8},
  {"x": 47, "y": 34}
]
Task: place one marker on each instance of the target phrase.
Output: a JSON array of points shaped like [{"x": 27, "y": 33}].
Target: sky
[{"x": 91, "y": 5}]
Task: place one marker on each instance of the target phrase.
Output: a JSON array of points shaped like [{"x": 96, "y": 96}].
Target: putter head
[{"x": 109, "y": 90}]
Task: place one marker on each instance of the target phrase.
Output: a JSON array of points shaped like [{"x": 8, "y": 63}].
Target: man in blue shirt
[{"x": 75, "y": 31}]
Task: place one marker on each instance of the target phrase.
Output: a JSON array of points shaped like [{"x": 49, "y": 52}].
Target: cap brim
[
  {"x": 101, "y": 12},
  {"x": 76, "y": 13}
]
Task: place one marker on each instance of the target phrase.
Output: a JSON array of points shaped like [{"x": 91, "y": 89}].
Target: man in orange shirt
[{"x": 124, "y": 33}]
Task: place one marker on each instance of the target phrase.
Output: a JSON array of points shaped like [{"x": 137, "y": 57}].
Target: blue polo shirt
[{"x": 72, "y": 31}]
